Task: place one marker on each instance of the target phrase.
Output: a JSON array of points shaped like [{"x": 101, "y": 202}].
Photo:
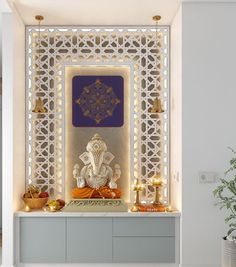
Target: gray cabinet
[
  {"x": 144, "y": 249},
  {"x": 42, "y": 240},
  {"x": 144, "y": 240},
  {"x": 89, "y": 240},
  {"x": 97, "y": 239},
  {"x": 144, "y": 226}
]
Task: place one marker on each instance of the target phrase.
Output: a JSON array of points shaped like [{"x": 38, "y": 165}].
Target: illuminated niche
[{"x": 65, "y": 46}]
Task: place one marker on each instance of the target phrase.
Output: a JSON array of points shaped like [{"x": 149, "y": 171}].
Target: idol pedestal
[{"x": 96, "y": 205}]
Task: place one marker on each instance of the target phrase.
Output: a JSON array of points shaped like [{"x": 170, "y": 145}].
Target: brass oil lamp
[
  {"x": 157, "y": 183},
  {"x": 137, "y": 188}
]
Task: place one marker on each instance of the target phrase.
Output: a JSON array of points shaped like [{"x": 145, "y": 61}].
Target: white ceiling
[{"x": 97, "y": 12}]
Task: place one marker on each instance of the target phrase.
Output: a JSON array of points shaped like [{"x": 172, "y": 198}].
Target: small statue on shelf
[{"x": 96, "y": 178}]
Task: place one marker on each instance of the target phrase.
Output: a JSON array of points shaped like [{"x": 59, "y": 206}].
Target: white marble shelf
[{"x": 40, "y": 213}]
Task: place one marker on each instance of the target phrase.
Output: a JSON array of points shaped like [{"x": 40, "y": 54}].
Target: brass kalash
[{"x": 96, "y": 189}]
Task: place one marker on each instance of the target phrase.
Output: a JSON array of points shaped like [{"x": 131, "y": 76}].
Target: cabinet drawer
[
  {"x": 89, "y": 240},
  {"x": 144, "y": 227},
  {"x": 42, "y": 240},
  {"x": 144, "y": 249}
]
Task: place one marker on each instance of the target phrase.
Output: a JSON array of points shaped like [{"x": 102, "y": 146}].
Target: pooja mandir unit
[{"x": 182, "y": 67}]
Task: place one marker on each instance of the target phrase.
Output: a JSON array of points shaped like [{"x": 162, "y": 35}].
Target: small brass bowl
[
  {"x": 35, "y": 203},
  {"x": 52, "y": 208}
]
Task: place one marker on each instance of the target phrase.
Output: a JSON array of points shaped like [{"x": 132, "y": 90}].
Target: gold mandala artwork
[{"x": 98, "y": 101}]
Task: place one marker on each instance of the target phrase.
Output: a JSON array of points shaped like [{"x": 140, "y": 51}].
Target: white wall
[
  {"x": 7, "y": 132},
  {"x": 176, "y": 115},
  {"x": 19, "y": 111},
  {"x": 176, "y": 111},
  {"x": 3, "y": 8},
  {"x": 13, "y": 109},
  {"x": 1, "y": 163},
  {"x": 208, "y": 122}
]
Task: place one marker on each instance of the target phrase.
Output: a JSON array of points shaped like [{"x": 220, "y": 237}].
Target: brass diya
[
  {"x": 137, "y": 187},
  {"x": 157, "y": 183}
]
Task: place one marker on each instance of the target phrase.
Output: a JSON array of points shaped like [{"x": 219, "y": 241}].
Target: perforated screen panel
[{"x": 76, "y": 45}]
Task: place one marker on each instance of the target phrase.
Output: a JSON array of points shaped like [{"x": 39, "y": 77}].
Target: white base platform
[{"x": 40, "y": 213}]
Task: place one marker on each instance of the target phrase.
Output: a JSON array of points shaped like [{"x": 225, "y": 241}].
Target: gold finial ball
[
  {"x": 156, "y": 18},
  {"x": 39, "y": 17}
]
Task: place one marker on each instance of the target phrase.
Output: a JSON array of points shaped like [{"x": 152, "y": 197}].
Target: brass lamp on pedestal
[
  {"x": 157, "y": 183},
  {"x": 137, "y": 188}
]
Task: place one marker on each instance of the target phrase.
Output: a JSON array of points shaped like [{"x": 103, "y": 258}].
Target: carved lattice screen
[{"x": 76, "y": 45}]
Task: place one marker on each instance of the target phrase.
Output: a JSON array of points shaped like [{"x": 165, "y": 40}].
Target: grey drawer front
[
  {"x": 144, "y": 227},
  {"x": 89, "y": 240},
  {"x": 144, "y": 249},
  {"x": 42, "y": 240}
]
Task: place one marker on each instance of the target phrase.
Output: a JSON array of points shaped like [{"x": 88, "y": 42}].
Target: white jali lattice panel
[{"x": 60, "y": 45}]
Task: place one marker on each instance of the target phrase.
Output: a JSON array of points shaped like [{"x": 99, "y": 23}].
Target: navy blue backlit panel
[{"x": 98, "y": 101}]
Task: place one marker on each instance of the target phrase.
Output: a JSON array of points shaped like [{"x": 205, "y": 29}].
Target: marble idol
[{"x": 96, "y": 179}]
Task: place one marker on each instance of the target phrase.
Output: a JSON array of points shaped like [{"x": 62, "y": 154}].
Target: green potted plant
[{"x": 225, "y": 194}]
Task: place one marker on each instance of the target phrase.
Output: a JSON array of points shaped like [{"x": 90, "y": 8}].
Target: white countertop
[{"x": 40, "y": 213}]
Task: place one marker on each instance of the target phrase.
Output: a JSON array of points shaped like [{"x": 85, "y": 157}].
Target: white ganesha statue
[{"x": 96, "y": 173}]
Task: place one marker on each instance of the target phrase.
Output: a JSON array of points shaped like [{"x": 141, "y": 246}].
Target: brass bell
[
  {"x": 39, "y": 106},
  {"x": 156, "y": 106}
]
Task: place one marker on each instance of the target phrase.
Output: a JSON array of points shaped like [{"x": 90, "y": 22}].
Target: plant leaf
[
  {"x": 230, "y": 218},
  {"x": 231, "y": 231}
]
